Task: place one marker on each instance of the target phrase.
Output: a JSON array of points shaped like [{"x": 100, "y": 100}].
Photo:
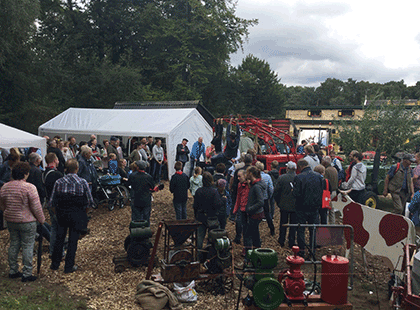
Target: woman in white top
[
  {"x": 158, "y": 160},
  {"x": 311, "y": 157},
  {"x": 356, "y": 183}
]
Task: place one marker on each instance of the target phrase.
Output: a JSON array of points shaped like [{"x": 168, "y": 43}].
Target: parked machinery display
[
  {"x": 267, "y": 292},
  {"x": 137, "y": 245},
  {"x": 278, "y": 144},
  {"x": 216, "y": 258}
]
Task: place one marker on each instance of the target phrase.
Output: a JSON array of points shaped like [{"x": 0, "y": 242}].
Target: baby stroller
[{"x": 111, "y": 192}]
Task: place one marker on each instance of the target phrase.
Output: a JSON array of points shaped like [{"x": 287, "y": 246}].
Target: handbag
[{"x": 326, "y": 197}]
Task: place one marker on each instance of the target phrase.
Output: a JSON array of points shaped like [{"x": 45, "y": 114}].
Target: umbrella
[{"x": 39, "y": 231}]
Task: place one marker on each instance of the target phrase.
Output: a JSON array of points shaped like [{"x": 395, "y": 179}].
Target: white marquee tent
[
  {"x": 12, "y": 137},
  {"x": 171, "y": 124}
]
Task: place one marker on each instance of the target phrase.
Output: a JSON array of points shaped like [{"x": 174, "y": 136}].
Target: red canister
[{"x": 334, "y": 279}]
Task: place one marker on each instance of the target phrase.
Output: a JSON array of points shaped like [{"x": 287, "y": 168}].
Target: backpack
[{"x": 341, "y": 173}]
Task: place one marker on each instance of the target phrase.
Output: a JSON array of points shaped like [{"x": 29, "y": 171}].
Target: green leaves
[{"x": 390, "y": 127}]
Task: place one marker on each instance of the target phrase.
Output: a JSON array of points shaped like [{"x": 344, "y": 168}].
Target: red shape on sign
[
  {"x": 393, "y": 228},
  {"x": 353, "y": 215}
]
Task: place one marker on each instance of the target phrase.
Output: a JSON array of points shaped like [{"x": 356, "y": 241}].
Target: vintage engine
[
  {"x": 294, "y": 284},
  {"x": 259, "y": 277},
  {"x": 138, "y": 244},
  {"x": 217, "y": 255}
]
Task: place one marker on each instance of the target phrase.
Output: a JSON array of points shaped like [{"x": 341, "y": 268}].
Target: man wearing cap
[
  {"x": 398, "y": 183},
  {"x": 182, "y": 152},
  {"x": 143, "y": 186},
  {"x": 286, "y": 203}
]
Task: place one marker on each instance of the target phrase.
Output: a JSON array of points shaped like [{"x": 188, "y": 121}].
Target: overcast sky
[{"x": 306, "y": 42}]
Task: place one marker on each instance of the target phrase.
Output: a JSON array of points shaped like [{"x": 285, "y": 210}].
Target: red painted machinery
[
  {"x": 401, "y": 284},
  {"x": 272, "y": 137},
  {"x": 294, "y": 284}
]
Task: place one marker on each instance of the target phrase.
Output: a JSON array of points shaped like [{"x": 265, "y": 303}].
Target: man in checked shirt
[{"x": 69, "y": 200}]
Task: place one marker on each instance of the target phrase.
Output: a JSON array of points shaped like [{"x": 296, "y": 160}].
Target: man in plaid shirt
[{"x": 69, "y": 200}]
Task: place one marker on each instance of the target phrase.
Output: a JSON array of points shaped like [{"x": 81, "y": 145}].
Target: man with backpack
[
  {"x": 398, "y": 183},
  {"x": 49, "y": 177}
]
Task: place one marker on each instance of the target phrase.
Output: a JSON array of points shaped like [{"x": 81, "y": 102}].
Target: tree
[
  {"x": 387, "y": 127},
  {"x": 258, "y": 89},
  {"x": 330, "y": 92},
  {"x": 17, "y": 26}
]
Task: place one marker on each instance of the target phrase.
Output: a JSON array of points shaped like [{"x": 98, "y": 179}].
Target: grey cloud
[
  {"x": 295, "y": 42},
  {"x": 321, "y": 9}
]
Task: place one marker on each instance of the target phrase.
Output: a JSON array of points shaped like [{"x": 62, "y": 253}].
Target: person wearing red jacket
[{"x": 241, "y": 202}]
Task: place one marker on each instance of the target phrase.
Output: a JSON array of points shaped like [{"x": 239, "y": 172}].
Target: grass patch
[{"x": 38, "y": 298}]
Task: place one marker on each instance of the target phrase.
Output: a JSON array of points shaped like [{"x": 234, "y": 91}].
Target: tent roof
[
  {"x": 118, "y": 122},
  {"x": 168, "y": 105},
  {"x": 12, "y": 137}
]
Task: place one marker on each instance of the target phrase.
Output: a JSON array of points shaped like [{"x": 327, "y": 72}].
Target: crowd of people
[
  {"x": 66, "y": 185},
  {"x": 226, "y": 180}
]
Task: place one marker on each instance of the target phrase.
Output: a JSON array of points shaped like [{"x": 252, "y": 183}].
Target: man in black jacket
[
  {"x": 307, "y": 189},
  {"x": 70, "y": 199},
  {"x": 49, "y": 177},
  {"x": 143, "y": 186},
  {"x": 286, "y": 203},
  {"x": 182, "y": 152},
  {"x": 179, "y": 185}
]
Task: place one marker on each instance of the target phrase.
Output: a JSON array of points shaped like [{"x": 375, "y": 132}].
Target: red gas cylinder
[{"x": 334, "y": 279}]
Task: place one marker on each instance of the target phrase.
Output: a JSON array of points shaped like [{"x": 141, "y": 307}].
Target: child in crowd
[
  {"x": 226, "y": 202},
  {"x": 196, "y": 181}
]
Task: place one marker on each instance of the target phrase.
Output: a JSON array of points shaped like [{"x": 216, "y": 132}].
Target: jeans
[
  {"x": 251, "y": 229},
  {"x": 140, "y": 214},
  {"x": 272, "y": 207},
  {"x": 238, "y": 226},
  {"x": 222, "y": 219},
  {"x": 180, "y": 210},
  {"x": 59, "y": 246},
  {"x": 53, "y": 232},
  {"x": 306, "y": 218},
  {"x": 268, "y": 216},
  {"x": 156, "y": 171},
  {"x": 22, "y": 236},
  {"x": 287, "y": 217}
]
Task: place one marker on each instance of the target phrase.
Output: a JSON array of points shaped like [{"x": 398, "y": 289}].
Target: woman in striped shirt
[{"x": 22, "y": 209}]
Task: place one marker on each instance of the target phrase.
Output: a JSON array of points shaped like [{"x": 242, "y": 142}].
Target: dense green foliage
[
  {"x": 56, "y": 54},
  {"x": 389, "y": 128}
]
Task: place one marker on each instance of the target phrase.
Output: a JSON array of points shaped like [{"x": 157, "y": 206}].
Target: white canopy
[
  {"x": 12, "y": 137},
  {"x": 171, "y": 124}
]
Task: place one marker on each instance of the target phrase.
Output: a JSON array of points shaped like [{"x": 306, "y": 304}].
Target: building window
[
  {"x": 346, "y": 113},
  {"x": 314, "y": 113}
]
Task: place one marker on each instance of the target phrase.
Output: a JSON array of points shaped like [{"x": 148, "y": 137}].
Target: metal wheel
[
  {"x": 370, "y": 199},
  {"x": 123, "y": 195}
]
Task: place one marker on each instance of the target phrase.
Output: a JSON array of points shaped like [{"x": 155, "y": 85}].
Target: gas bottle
[{"x": 334, "y": 279}]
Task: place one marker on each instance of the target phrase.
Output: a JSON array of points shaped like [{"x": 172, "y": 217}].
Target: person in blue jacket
[{"x": 197, "y": 150}]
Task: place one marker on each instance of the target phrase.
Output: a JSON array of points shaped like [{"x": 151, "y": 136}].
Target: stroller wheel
[{"x": 111, "y": 205}]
